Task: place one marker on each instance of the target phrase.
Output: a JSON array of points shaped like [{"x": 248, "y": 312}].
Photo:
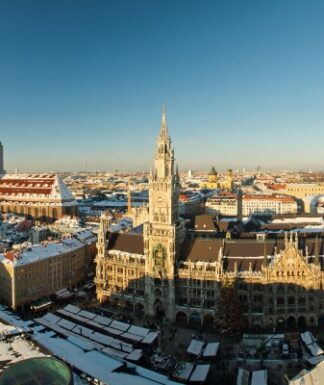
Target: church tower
[{"x": 164, "y": 230}]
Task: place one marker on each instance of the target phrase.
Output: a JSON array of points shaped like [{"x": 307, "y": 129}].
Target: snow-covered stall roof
[
  {"x": 315, "y": 349},
  {"x": 50, "y": 317},
  {"x": 100, "y": 366},
  {"x": 132, "y": 337},
  {"x": 259, "y": 377},
  {"x": 103, "y": 320},
  {"x": 150, "y": 338},
  {"x": 120, "y": 325},
  {"x": 82, "y": 330},
  {"x": 72, "y": 309},
  {"x": 307, "y": 337},
  {"x": 113, "y": 331},
  {"x": 195, "y": 347},
  {"x": 183, "y": 371},
  {"x": 242, "y": 377},
  {"x": 200, "y": 373},
  {"x": 135, "y": 355},
  {"x": 311, "y": 344},
  {"x": 66, "y": 324},
  {"x": 138, "y": 330},
  {"x": 86, "y": 314},
  {"x": 211, "y": 349},
  {"x": 86, "y": 346}
]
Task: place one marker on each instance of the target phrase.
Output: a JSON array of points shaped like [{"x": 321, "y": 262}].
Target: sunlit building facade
[
  {"x": 39, "y": 196},
  {"x": 163, "y": 271}
]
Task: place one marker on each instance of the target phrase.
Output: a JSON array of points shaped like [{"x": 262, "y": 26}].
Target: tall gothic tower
[
  {"x": 101, "y": 262},
  {"x": 164, "y": 230}
]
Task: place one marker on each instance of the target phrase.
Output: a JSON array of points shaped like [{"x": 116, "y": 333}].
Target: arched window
[{"x": 291, "y": 301}]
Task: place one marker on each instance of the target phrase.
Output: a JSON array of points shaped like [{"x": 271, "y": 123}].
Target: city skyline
[{"x": 86, "y": 82}]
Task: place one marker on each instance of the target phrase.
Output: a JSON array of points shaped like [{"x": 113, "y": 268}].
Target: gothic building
[
  {"x": 165, "y": 270},
  {"x": 164, "y": 230}
]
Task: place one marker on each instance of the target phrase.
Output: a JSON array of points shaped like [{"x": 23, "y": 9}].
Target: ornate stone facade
[
  {"x": 164, "y": 231},
  {"x": 166, "y": 271}
]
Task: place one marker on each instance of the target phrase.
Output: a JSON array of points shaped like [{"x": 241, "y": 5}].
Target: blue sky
[{"x": 84, "y": 81}]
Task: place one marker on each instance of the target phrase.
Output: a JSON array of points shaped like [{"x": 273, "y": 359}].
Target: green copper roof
[{"x": 37, "y": 371}]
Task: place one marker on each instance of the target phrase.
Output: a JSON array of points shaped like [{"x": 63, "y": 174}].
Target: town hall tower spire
[{"x": 163, "y": 231}]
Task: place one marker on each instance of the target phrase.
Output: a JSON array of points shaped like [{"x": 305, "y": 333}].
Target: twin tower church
[{"x": 172, "y": 268}]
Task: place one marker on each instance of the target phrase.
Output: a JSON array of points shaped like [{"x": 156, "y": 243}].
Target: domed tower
[
  {"x": 213, "y": 176},
  {"x": 164, "y": 230}
]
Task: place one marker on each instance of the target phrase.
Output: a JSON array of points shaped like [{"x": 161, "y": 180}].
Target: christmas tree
[{"x": 229, "y": 317}]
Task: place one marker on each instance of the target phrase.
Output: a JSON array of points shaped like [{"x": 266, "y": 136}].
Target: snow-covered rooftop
[
  {"x": 300, "y": 220},
  {"x": 48, "y": 186},
  {"x": 36, "y": 253}
]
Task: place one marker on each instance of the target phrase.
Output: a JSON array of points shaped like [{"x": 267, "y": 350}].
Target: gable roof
[
  {"x": 204, "y": 250},
  {"x": 204, "y": 223},
  {"x": 128, "y": 242}
]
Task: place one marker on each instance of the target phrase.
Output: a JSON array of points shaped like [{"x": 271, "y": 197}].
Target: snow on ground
[
  {"x": 94, "y": 363},
  {"x": 5, "y": 328},
  {"x": 15, "y": 349},
  {"x": 11, "y": 319}
]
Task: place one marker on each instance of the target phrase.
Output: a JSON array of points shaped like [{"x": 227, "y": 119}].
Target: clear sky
[{"x": 84, "y": 81}]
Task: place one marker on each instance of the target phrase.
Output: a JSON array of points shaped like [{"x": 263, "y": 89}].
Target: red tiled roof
[{"x": 32, "y": 185}]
